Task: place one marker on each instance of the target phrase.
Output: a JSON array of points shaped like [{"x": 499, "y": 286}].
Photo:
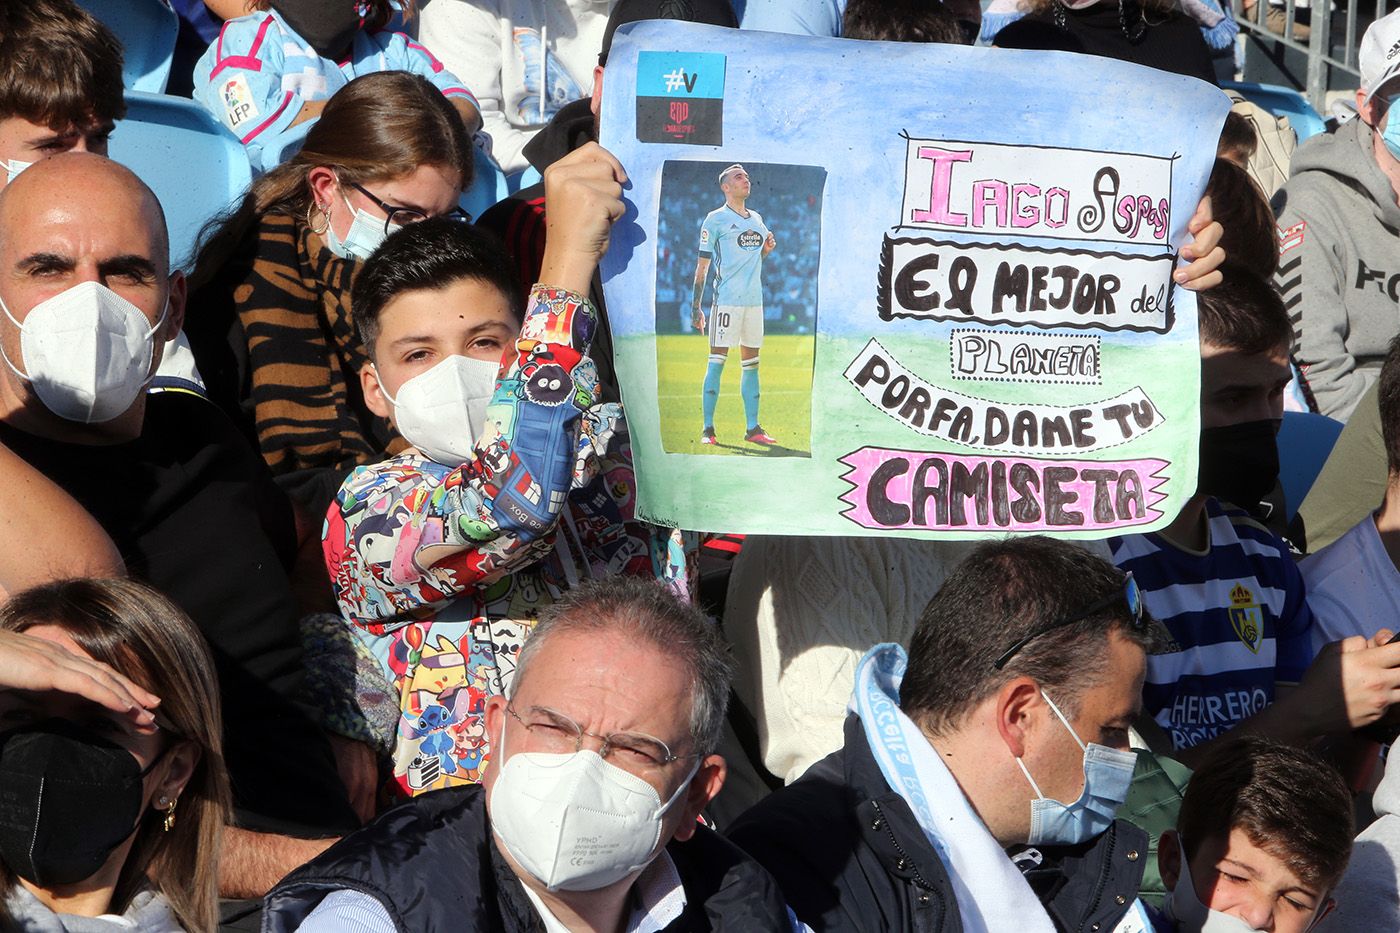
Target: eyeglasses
[
  {"x": 1129, "y": 594},
  {"x": 552, "y": 731},
  {"x": 395, "y": 215}
]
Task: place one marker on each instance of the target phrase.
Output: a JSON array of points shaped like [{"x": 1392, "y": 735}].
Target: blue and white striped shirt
[{"x": 1238, "y": 616}]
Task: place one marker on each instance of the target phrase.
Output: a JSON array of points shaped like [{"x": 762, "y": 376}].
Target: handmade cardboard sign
[{"x": 903, "y": 289}]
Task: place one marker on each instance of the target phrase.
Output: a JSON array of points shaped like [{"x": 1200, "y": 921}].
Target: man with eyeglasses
[
  {"x": 587, "y": 818},
  {"x": 977, "y": 786}
]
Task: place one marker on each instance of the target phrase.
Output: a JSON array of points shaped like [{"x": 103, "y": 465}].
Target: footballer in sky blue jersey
[{"x": 735, "y": 241}]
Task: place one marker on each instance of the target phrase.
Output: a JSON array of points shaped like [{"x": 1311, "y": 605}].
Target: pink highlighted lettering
[
  {"x": 909, "y": 489},
  {"x": 938, "y": 212}
]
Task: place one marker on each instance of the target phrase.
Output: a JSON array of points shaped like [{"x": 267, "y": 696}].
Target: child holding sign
[{"x": 519, "y": 484}]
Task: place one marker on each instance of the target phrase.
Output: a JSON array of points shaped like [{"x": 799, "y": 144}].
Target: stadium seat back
[
  {"x": 195, "y": 166},
  {"x": 1282, "y": 102},
  {"x": 147, "y": 30},
  {"x": 488, "y": 187},
  {"x": 524, "y": 179},
  {"x": 1304, "y": 442}
]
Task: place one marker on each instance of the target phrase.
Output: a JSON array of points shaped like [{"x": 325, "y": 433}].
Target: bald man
[{"x": 88, "y": 300}]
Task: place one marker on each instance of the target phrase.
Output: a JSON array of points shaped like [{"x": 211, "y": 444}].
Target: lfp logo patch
[{"x": 680, "y": 98}]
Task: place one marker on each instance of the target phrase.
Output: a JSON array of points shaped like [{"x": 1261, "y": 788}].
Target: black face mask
[
  {"x": 329, "y": 25},
  {"x": 68, "y": 797},
  {"x": 1239, "y": 462}
]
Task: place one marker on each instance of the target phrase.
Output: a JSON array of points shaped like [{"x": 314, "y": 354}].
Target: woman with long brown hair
[
  {"x": 269, "y": 313},
  {"x": 106, "y": 813}
]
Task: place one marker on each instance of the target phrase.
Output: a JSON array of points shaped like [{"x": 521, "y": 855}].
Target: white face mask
[
  {"x": 1191, "y": 916},
  {"x": 442, "y": 410},
  {"x": 364, "y": 236},
  {"x": 87, "y": 352},
  {"x": 13, "y": 167},
  {"x": 574, "y": 821}
]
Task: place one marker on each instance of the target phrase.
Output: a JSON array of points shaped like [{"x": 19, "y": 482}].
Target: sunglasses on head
[{"x": 1129, "y": 593}]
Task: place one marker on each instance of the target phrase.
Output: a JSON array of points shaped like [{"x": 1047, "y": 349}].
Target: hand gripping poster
[{"x": 903, "y": 289}]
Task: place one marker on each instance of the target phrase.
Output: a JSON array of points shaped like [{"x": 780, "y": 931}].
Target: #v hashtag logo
[{"x": 678, "y": 79}]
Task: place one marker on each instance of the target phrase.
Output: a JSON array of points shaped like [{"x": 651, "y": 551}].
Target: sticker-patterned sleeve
[{"x": 409, "y": 534}]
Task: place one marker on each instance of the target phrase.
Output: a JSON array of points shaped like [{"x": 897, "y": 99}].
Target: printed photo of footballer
[{"x": 738, "y": 248}]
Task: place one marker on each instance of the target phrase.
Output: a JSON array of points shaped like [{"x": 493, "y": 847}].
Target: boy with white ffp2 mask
[
  {"x": 519, "y": 483},
  {"x": 1263, "y": 837}
]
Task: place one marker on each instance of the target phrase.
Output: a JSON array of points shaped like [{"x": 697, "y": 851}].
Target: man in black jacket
[
  {"x": 586, "y": 817},
  {"x": 976, "y": 787}
]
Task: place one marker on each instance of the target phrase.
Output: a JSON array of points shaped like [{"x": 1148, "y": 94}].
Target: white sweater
[
  {"x": 505, "y": 51},
  {"x": 801, "y": 612}
]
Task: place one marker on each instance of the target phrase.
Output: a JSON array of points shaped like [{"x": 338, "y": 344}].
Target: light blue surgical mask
[
  {"x": 363, "y": 237},
  {"x": 1107, "y": 775},
  {"x": 1391, "y": 134}
]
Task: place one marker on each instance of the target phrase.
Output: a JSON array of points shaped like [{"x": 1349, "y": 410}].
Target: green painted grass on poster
[
  {"x": 785, "y": 406},
  {"x": 686, "y": 487}
]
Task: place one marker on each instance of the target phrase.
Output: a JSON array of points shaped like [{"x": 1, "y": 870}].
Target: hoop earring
[
  {"x": 170, "y": 815},
  {"x": 325, "y": 216}
]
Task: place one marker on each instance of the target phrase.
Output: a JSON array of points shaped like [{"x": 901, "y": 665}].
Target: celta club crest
[{"x": 1246, "y": 617}]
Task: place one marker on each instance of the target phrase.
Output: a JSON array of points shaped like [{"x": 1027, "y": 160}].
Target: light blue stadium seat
[
  {"x": 1304, "y": 442},
  {"x": 489, "y": 187},
  {"x": 1282, "y": 102},
  {"x": 524, "y": 179},
  {"x": 195, "y": 166},
  {"x": 147, "y": 30}
]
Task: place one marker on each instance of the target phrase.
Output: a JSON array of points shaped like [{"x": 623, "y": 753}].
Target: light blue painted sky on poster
[{"x": 842, "y": 104}]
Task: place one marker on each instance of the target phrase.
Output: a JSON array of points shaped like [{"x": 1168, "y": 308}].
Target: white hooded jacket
[
  {"x": 1368, "y": 897},
  {"x": 523, "y": 59}
]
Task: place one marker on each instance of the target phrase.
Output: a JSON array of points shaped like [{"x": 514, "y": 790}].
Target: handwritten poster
[{"x": 903, "y": 289}]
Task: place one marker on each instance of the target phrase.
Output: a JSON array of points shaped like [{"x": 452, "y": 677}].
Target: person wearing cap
[
  {"x": 1339, "y": 236},
  {"x": 519, "y": 220},
  {"x": 735, "y": 240}
]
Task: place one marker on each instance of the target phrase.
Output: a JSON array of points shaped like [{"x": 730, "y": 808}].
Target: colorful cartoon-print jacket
[{"x": 442, "y": 570}]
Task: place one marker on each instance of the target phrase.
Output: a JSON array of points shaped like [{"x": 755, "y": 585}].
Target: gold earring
[
  {"x": 325, "y": 217},
  {"x": 170, "y": 815}
]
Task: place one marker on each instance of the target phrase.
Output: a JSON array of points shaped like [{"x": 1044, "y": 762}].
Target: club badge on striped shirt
[{"x": 1246, "y": 617}]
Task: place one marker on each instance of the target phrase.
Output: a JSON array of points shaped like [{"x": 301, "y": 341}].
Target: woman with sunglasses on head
[
  {"x": 115, "y": 794},
  {"x": 269, "y": 312}
]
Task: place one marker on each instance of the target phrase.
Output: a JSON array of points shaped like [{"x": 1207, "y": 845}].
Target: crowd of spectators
[{"x": 358, "y": 631}]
